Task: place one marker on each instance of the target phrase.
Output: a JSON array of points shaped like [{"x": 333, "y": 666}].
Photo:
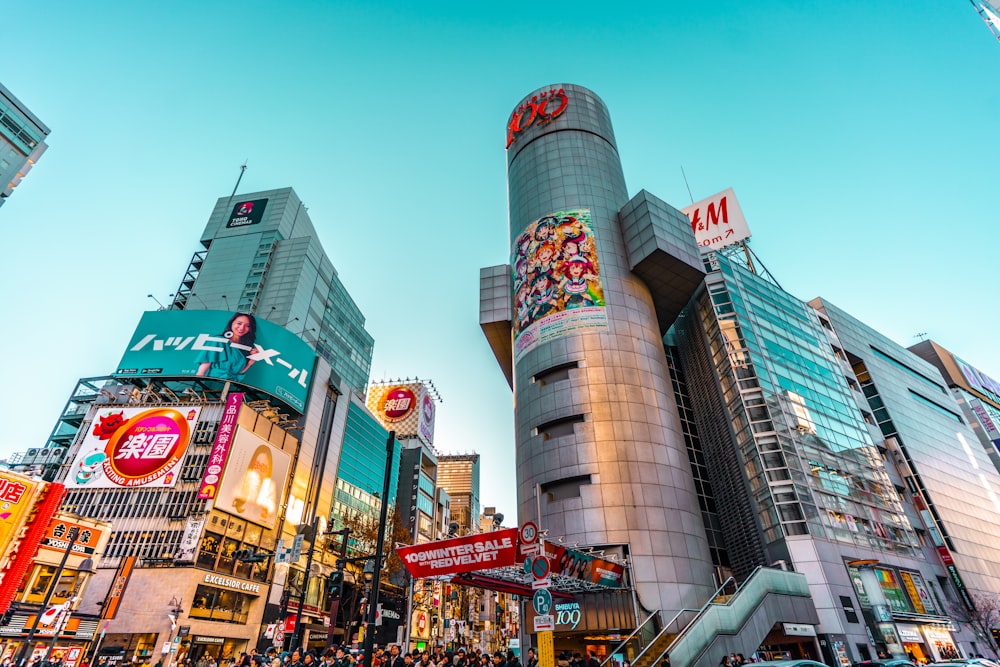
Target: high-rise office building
[
  {"x": 458, "y": 475},
  {"x": 262, "y": 256},
  {"x": 22, "y": 142}
]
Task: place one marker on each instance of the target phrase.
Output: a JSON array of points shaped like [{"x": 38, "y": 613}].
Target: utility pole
[
  {"x": 22, "y": 657},
  {"x": 390, "y": 448}
]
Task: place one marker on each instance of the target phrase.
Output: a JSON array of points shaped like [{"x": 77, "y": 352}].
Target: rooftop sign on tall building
[
  {"x": 404, "y": 407},
  {"x": 717, "y": 221}
]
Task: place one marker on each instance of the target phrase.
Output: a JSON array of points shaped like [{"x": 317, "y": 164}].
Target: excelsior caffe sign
[
  {"x": 461, "y": 554},
  {"x": 235, "y": 584}
]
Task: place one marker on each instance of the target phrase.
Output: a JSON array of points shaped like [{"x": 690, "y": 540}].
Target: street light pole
[
  {"x": 297, "y": 633},
  {"x": 390, "y": 447},
  {"x": 74, "y": 532}
]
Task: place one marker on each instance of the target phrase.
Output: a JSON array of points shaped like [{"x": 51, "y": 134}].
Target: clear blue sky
[{"x": 860, "y": 138}]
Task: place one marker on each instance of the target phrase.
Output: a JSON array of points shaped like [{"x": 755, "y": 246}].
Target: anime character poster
[{"x": 557, "y": 280}]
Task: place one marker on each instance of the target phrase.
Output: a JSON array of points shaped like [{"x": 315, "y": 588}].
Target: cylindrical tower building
[{"x": 601, "y": 459}]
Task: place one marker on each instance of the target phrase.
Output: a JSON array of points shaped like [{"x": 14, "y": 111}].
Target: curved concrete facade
[{"x": 610, "y": 457}]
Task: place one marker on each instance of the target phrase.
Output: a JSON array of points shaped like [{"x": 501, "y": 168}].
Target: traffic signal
[{"x": 6, "y": 616}]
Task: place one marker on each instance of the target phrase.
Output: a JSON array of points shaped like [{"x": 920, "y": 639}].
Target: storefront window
[
  {"x": 40, "y": 580},
  {"x": 209, "y": 550},
  {"x": 220, "y": 604},
  {"x": 227, "y": 535}
]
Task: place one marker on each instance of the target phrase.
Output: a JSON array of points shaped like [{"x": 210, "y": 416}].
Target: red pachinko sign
[
  {"x": 220, "y": 450},
  {"x": 539, "y": 110},
  {"x": 398, "y": 403},
  {"x": 461, "y": 554}
]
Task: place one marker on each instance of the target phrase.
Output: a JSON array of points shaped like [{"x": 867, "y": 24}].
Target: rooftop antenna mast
[
  {"x": 243, "y": 168},
  {"x": 990, "y": 13}
]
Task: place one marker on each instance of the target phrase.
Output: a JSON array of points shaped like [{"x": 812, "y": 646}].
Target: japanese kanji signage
[
  {"x": 133, "y": 447},
  {"x": 57, "y": 536},
  {"x": 717, "y": 221},
  {"x": 223, "y": 345},
  {"x": 17, "y": 496},
  {"x": 254, "y": 479},
  {"x": 406, "y": 408},
  {"x": 220, "y": 450}
]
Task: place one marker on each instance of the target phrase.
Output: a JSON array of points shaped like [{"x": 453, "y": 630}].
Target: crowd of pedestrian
[{"x": 383, "y": 657}]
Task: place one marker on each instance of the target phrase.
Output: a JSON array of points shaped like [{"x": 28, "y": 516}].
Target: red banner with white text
[{"x": 461, "y": 554}]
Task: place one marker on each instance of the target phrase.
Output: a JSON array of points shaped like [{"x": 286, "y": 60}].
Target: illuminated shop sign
[
  {"x": 406, "y": 408},
  {"x": 539, "y": 111},
  {"x": 397, "y": 404},
  {"x": 235, "y": 584},
  {"x": 57, "y": 537}
]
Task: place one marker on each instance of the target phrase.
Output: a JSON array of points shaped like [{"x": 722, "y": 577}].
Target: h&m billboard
[
  {"x": 717, "y": 221},
  {"x": 221, "y": 344}
]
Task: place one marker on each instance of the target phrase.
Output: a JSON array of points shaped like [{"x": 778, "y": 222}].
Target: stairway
[{"x": 735, "y": 623}]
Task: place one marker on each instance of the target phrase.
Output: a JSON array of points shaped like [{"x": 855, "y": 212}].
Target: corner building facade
[{"x": 600, "y": 455}]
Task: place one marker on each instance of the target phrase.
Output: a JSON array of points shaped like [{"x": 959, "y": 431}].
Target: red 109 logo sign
[{"x": 538, "y": 111}]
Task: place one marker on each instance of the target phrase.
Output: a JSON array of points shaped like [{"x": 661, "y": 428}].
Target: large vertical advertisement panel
[
  {"x": 557, "y": 280},
  {"x": 254, "y": 479},
  {"x": 224, "y": 345},
  {"x": 133, "y": 447}
]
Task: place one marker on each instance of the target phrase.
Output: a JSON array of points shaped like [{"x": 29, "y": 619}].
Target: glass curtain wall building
[{"x": 797, "y": 465}]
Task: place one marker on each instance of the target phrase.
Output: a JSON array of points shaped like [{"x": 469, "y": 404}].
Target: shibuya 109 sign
[
  {"x": 461, "y": 554},
  {"x": 133, "y": 447},
  {"x": 538, "y": 111}
]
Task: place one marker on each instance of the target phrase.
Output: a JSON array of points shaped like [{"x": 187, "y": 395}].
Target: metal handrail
[
  {"x": 699, "y": 612},
  {"x": 705, "y": 608},
  {"x": 625, "y": 641}
]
